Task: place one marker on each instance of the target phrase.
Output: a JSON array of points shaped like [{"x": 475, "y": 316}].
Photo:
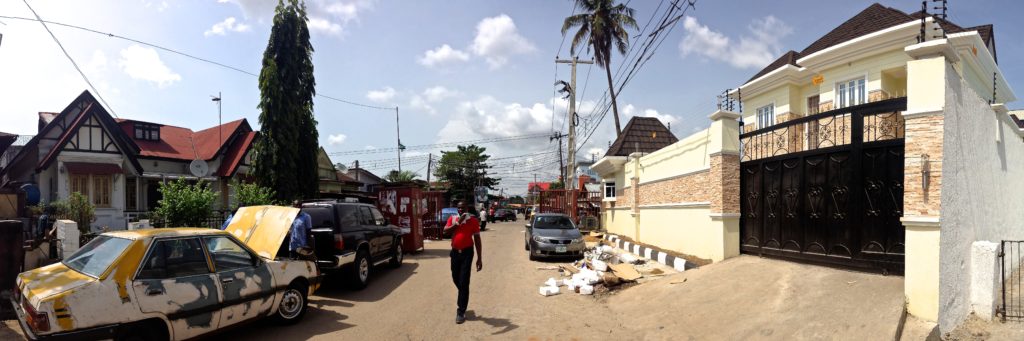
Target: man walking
[{"x": 465, "y": 231}]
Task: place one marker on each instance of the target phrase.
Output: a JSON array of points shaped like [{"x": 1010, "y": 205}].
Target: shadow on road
[
  {"x": 383, "y": 281},
  {"x": 316, "y": 322},
  {"x": 431, "y": 253},
  {"x": 506, "y": 325}
]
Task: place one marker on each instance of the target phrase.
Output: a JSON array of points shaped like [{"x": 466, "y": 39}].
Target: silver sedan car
[{"x": 553, "y": 235}]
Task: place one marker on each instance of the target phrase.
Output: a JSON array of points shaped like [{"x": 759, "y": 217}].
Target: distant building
[{"x": 367, "y": 181}]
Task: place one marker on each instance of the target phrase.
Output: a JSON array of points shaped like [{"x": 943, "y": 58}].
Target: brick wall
[{"x": 688, "y": 188}]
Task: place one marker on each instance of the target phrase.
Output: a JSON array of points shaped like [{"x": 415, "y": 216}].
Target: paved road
[{"x": 417, "y": 302}]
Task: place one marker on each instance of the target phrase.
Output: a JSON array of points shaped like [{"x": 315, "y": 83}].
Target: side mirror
[{"x": 529, "y": 225}]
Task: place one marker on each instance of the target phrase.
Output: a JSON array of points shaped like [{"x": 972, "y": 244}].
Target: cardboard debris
[
  {"x": 548, "y": 267},
  {"x": 548, "y": 291},
  {"x": 625, "y": 271},
  {"x": 610, "y": 279},
  {"x": 570, "y": 268}
]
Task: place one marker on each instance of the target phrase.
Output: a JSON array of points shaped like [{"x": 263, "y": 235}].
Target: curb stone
[{"x": 651, "y": 254}]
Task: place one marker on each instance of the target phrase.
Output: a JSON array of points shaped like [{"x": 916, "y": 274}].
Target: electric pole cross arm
[{"x": 570, "y": 182}]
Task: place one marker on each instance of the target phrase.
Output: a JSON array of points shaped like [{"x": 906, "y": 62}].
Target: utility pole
[
  {"x": 220, "y": 134},
  {"x": 561, "y": 161},
  {"x": 430, "y": 161},
  {"x": 571, "y": 183},
  {"x": 398, "y": 136}
]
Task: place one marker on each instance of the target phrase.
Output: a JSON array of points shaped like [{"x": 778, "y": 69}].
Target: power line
[
  {"x": 98, "y": 95},
  {"x": 187, "y": 55},
  {"x": 440, "y": 145}
]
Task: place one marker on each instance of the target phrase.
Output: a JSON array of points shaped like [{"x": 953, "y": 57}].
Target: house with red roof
[{"x": 119, "y": 163}]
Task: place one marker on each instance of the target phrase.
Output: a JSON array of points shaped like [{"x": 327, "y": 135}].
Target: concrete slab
[{"x": 749, "y": 297}]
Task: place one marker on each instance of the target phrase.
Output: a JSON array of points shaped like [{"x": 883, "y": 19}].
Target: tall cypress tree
[{"x": 286, "y": 154}]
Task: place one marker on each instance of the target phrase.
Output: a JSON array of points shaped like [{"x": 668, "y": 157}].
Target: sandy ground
[{"x": 743, "y": 298}]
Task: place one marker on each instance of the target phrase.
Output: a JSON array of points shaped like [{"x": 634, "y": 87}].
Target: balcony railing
[{"x": 870, "y": 122}]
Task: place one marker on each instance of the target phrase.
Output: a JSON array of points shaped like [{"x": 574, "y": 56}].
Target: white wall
[{"x": 982, "y": 191}]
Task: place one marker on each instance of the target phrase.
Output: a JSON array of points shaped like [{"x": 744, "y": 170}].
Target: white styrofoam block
[
  {"x": 548, "y": 291},
  {"x": 587, "y": 290},
  {"x": 627, "y": 258},
  {"x": 599, "y": 265},
  {"x": 551, "y": 282},
  {"x": 567, "y": 282}
]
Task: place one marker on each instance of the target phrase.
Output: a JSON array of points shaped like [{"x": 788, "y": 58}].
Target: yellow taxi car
[{"x": 170, "y": 283}]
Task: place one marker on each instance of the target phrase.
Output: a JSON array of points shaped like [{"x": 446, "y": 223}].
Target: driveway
[{"x": 748, "y": 297}]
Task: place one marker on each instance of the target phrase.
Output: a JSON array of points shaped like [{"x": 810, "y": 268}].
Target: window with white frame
[
  {"x": 766, "y": 116},
  {"x": 850, "y": 93},
  {"x": 609, "y": 189}
]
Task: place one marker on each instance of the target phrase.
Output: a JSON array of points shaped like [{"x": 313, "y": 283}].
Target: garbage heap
[{"x": 602, "y": 269}]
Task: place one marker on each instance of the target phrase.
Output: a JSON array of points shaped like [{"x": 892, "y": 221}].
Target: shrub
[
  {"x": 185, "y": 204},
  {"x": 251, "y": 195}
]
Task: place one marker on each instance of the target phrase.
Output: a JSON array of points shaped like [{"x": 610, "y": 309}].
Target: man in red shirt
[{"x": 465, "y": 231}]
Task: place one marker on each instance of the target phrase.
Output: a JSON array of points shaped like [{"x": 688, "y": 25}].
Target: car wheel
[
  {"x": 397, "y": 256},
  {"x": 360, "y": 274},
  {"x": 530, "y": 249},
  {"x": 293, "y": 304}
]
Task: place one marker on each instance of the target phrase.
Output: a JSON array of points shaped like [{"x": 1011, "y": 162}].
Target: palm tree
[
  {"x": 602, "y": 25},
  {"x": 400, "y": 176}
]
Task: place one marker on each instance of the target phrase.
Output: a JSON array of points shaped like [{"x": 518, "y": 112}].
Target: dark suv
[
  {"x": 353, "y": 238},
  {"x": 503, "y": 214}
]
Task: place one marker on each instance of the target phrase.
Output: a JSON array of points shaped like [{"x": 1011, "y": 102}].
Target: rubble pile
[{"x": 602, "y": 269}]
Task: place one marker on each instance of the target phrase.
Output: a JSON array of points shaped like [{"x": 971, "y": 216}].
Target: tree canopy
[
  {"x": 602, "y": 27},
  {"x": 464, "y": 169},
  {"x": 400, "y": 176},
  {"x": 286, "y": 153}
]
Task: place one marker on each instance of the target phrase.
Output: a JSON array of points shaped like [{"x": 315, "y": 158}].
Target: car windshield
[
  {"x": 95, "y": 257},
  {"x": 553, "y": 222}
]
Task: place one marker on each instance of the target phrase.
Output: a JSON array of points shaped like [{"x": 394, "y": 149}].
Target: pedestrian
[
  {"x": 298, "y": 244},
  {"x": 465, "y": 231}
]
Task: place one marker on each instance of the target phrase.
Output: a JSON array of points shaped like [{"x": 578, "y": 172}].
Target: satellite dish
[
  {"x": 199, "y": 168},
  {"x": 341, "y": 167}
]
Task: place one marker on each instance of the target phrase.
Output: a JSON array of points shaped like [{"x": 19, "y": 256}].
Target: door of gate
[{"x": 827, "y": 188}]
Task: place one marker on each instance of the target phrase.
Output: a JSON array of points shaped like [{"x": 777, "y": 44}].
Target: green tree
[
  {"x": 557, "y": 184},
  {"x": 76, "y": 208},
  {"x": 185, "y": 204},
  {"x": 286, "y": 153},
  {"x": 464, "y": 169},
  {"x": 602, "y": 26},
  {"x": 251, "y": 195},
  {"x": 400, "y": 176},
  {"x": 517, "y": 200}
]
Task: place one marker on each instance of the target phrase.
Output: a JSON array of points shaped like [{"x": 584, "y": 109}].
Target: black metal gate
[
  {"x": 827, "y": 188},
  {"x": 1011, "y": 305}
]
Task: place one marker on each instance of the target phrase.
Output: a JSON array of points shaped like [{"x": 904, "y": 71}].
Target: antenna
[{"x": 924, "y": 13}]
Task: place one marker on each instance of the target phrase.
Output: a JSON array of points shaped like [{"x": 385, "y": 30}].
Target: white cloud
[
  {"x": 336, "y": 139},
  {"x": 418, "y": 103},
  {"x": 369, "y": 147},
  {"x": 439, "y": 93},
  {"x": 381, "y": 96},
  {"x": 144, "y": 63},
  {"x": 230, "y": 24},
  {"x": 331, "y": 17},
  {"x": 498, "y": 40},
  {"x": 629, "y": 111},
  {"x": 442, "y": 56},
  {"x": 755, "y": 50}
]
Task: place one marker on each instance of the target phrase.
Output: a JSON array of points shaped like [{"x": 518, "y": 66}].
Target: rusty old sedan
[{"x": 172, "y": 283}]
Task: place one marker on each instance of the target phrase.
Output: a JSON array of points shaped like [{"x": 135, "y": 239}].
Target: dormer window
[{"x": 149, "y": 132}]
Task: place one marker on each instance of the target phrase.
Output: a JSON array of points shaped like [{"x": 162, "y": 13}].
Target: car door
[
  {"x": 175, "y": 280},
  {"x": 246, "y": 283},
  {"x": 385, "y": 235},
  {"x": 372, "y": 233}
]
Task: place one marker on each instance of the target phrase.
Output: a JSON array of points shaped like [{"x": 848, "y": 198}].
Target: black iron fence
[
  {"x": 215, "y": 220},
  {"x": 1011, "y": 307}
]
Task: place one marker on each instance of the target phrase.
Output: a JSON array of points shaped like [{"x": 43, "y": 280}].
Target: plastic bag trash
[
  {"x": 587, "y": 290},
  {"x": 607, "y": 249},
  {"x": 600, "y": 266},
  {"x": 551, "y": 282},
  {"x": 627, "y": 258},
  {"x": 548, "y": 291},
  {"x": 567, "y": 282}
]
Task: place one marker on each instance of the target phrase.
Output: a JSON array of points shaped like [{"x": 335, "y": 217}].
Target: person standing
[{"x": 465, "y": 231}]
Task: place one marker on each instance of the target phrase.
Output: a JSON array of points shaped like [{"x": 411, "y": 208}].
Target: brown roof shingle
[{"x": 642, "y": 134}]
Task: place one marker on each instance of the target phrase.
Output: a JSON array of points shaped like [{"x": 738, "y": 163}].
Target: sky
[{"x": 457, "y": 70}]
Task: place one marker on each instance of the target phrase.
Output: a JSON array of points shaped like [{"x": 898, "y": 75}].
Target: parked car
[
  {"x": 354, "y": 239},
  {"x": 169, "y": 283},
  {"x": 503, "y": 214},
  {"x": 553, "y": 235}
]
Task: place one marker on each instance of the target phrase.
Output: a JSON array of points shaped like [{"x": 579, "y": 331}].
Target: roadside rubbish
[
  {"x": 551, "y": 282},
  {"x": 626, "y": 272},
  {"x": 548, "y": 291},
  {"x": 587, "y": 290}
]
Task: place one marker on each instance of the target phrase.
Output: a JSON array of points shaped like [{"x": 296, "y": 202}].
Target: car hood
[
  {"x": 262, "y": 228},
  {"x": 558, "y": 233},
  {"x": 41, "y": 283}
]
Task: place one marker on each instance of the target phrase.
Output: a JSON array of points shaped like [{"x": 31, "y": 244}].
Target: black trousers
[{"x": 462, "y": 266}]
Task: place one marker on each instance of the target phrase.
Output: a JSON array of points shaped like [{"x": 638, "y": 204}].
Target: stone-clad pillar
[
  {"x": 724, "y": 181},
  {"x": 922, "y": 180}
]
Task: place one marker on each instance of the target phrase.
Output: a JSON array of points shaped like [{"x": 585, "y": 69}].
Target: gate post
[
  {"x": 922, "y": 181},
  {"x": 724, "y": 180}
]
